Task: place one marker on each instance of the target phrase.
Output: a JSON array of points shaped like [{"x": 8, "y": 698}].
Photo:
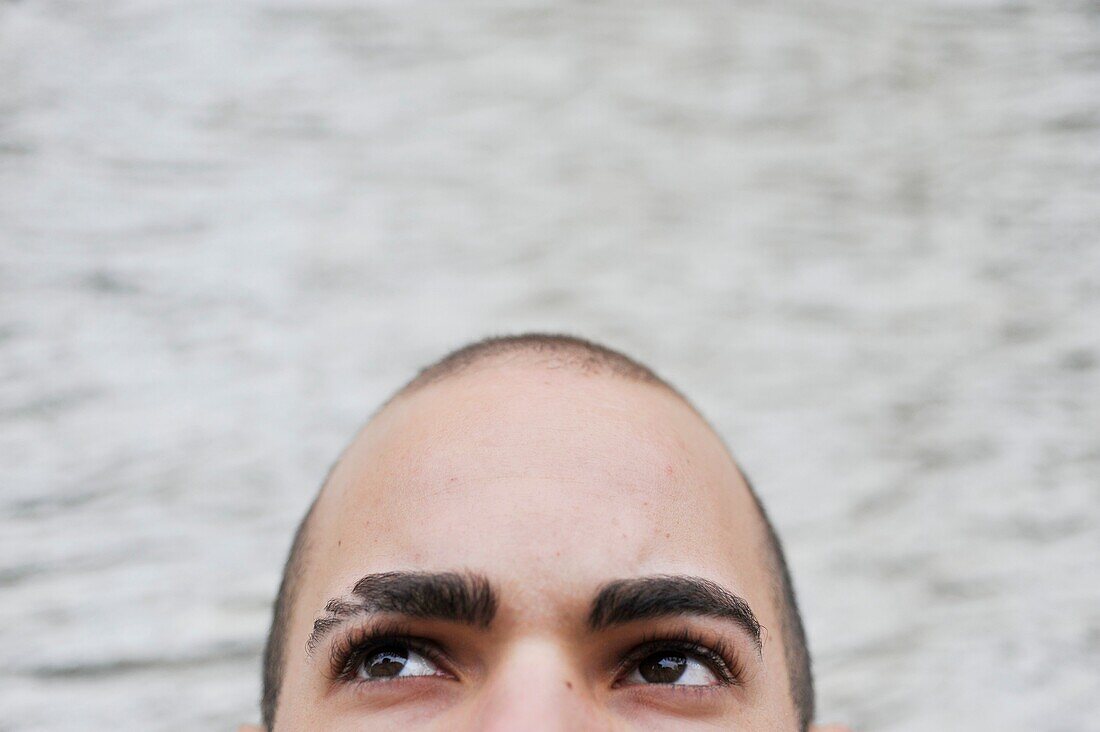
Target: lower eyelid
[{"x": 676, "y": 695}]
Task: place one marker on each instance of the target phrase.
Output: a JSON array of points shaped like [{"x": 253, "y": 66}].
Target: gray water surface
[{"x": 861, "y": 235}]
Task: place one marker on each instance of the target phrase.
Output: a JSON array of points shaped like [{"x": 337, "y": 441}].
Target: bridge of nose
[{"x": 537, "y": 685}]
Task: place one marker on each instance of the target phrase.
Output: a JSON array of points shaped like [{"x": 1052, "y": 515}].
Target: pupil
[
  {"x": 663, "y": 668},
  {"x": 386, "y": 663}
]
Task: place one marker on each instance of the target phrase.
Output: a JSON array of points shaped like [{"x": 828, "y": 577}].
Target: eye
[
  {"x": 672, "y": 667},
  {"x": 394, "y": 661}
]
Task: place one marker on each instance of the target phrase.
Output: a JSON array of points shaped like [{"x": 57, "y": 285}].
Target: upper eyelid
[
  {"x": 731, "y": 669},
  {"x": 421, "y": 647},
  {"x": 350, "y": 640}
]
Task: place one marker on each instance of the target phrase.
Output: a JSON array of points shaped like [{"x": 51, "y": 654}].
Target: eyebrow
[
  {"x": 642, "y": 598},
  {"x": 451, "y": 596}
]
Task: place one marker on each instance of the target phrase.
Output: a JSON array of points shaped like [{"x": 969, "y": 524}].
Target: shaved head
[
  {"x": 549, "y": 351},
  {"x": 545, "y": 353}
]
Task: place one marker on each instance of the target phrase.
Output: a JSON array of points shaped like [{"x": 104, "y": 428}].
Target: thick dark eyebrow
[
  {"x": 451, "y": 596},
  {"x": 628, "y": 600}
]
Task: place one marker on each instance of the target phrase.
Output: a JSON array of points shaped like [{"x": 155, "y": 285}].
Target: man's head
[{"x": 536, "y": 532}]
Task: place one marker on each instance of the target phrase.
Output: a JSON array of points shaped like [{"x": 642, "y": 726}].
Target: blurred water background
[{"x": 862, "y": 235}]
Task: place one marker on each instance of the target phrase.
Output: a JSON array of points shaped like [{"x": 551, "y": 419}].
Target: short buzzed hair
[
  {"x": 562, "y": 350},
  {"x": 558, "y": 351}
]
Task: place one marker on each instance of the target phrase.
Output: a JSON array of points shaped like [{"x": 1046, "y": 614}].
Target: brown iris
[
  {"x": 663, "y": 668},
  {"x": 384, "y": 663}
]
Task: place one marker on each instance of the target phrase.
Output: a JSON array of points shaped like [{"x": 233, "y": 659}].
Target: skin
[{"x": 550, "y": 482}]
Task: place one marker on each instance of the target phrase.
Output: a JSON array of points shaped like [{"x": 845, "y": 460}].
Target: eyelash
[
  {"x": 349, "y": 651},
  {"x": 716, "y": 654}
]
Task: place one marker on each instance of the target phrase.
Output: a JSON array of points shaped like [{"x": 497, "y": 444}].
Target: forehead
[{"x": 548, "y": 481}]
